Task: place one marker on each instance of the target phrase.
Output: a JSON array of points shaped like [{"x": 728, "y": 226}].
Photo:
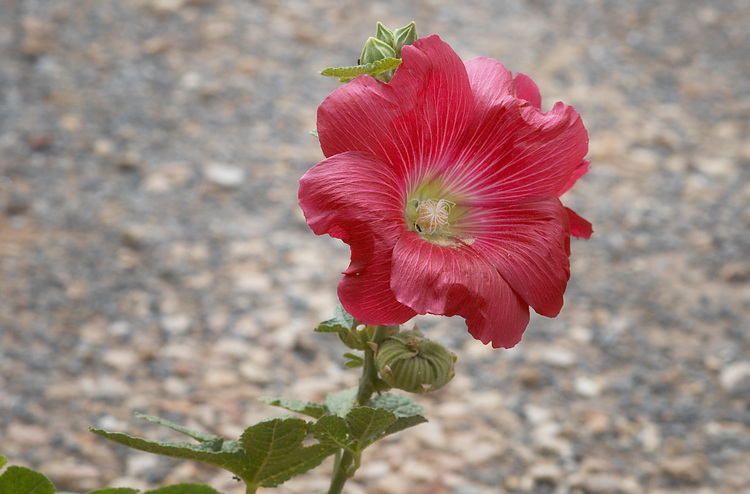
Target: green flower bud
[
  {"x": 384, "y": 34},
  {"x": 375, "y": 50},
  {"x": 404, "y": 36},
  {"x": 413, "y": 363}
]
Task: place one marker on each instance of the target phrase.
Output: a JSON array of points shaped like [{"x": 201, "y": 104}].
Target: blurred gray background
[{"x": 153, "y": 257}]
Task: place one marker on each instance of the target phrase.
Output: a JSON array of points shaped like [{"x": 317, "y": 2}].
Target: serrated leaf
[
  {"x": 331, "y": 430},
  {"x": 341, "y": 321},
  {"x": 366, "y": 424},
  {"x": 21, "y": 480},
  {"x": 404, "y": 423},
  {"x": 341, "y": 402},
  {"x": 184, "y": 489},
  {"x": 267, "y": 454},
  {"x": 293, "y": 405},
  {"x": 230, "y": 456},
  {"x": 113, "y": 490},
  {"x": 197, "y": 435},
  {"x": 400, "y": 405},
  {"x": 3, "y": 461},
  {"x": 373, "y": 69},
  {"x": 274, "y": 448}
]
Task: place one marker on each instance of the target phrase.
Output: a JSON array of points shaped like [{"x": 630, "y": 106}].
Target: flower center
[{"x": 432, "y": 215}]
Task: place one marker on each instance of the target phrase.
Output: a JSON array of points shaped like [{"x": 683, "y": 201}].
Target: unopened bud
[
  {"x": 384, "y": 34},
  {"x": 413, "y": 363},
  {"x": 375, "y": 50},
  {"x": 404, "y": 36}
]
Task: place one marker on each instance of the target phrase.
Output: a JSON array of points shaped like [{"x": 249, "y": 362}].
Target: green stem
[
  {"x": 346, "y": 463},
  {"x": 250, "y": 488},
  {"x": 341, "y": 473},
  {"x": 369, "y": 371}
]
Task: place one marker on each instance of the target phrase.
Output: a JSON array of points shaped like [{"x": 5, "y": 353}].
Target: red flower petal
[
  {"x": 517, "y": 153},
  {"x": 579, "y": 227},
  {"x": 529, "y": 245},
  {"x": 411, "y": 121},
  {"x": 528, "y": 90},
  {"x": 490, "y": 81},
  {"x": 581, "y": 170},
  {"x": 456, "y": 281},
  {"x": 355, "y": 197},
  {"x": 366, "y": 293}
]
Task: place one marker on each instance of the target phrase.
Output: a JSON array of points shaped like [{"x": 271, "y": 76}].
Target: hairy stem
[
  {"x": 369, "y": 371},
  {"x": 346, "y": 462}
]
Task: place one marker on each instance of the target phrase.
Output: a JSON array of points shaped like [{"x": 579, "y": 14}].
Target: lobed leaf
[
  {"x": 267, "y": 454},
  {"x": 274, "y": 449},
  {"x": 331, "y": 430},
  {"x": 366, "y": 425},
  {"x": 3, "y": 461}
]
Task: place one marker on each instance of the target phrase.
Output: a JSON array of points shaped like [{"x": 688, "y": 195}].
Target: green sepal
[
  {"x": 314, "y": 133},
  {"x": 21, "y": 480},
  {"x": 375, "y": 50},
  {"x": 310, "y": 409},
  {"x": 384, "y": 34},
  {"x": 404, "y": 36},
  {"x": 346, "y": 74},
  {"x": 267, "y": 454}
]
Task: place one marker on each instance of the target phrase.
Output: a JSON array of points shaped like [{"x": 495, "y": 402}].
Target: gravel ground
[{"x": 153, "y": 257}]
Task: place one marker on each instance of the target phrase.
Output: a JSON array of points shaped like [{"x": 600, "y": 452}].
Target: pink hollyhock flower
[{"x": 445, "y": 184}]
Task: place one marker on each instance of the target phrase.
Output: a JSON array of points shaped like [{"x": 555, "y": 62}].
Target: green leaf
[
  {"x": 353, "y": 361},
  {"x": 310, "y": 409},
  {"x": 407, "y": 411},
  {"x": 197, "y": 435},
  {"x": 400, "y": 405},
  {"x": 3, "y": 461},
  {"x": 274, "y": 448},
  {"x": 113, "y": 490},
  {"x": 374, "y": 69},
  {"x": 404, "y": 423},
  {"x": 184, "y": 489},
  {"x": 341, "y": 402},
  {"x": 331, "y": 430},
  {"x": 366, "y": 424},
  {"x": 267, "y": 454},
  {"x": 20, "y": 480},
  {"x": 341, "y": 321}
]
